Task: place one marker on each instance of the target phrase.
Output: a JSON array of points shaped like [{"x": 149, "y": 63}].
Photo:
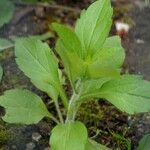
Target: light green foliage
[
  {"x": 1, "y": 73},
  {"x": 92, "y": 63},
  {"x": 6, "y": 11},
  {"x": 73, "y": 71},
  {"x": 69, "y": 136},
  {"x": 69, "y": 48},
  {"x": 107, "y": 62},
  {"x": 92, "y": 145},
  {"x": 4, "y": 44},
  {"x": 94, "y": 25},
  {"x": 144, "y": 143},
  {"x": 101, "y": 64},
  {"x": 81, "y": 56},
  {"x": 38, "y": 62},
  {"x": 89, "y": 87},
  {"x": 128, "y": 93},
  {"x": 22, "y": 106}
]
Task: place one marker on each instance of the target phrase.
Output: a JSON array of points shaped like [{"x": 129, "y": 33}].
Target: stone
[
  {"x": 30, "y": 146},
  {"x": 36, "y": 136}
]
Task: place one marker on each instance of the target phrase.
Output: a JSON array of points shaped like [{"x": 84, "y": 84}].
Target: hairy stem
[
  {"x": 72, "y": 108},
  {"x": 54, "y": 119},
  {"x": 58, "y": 111}
]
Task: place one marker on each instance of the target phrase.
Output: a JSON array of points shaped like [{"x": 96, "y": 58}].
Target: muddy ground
[{"x": 113, "y": 126}]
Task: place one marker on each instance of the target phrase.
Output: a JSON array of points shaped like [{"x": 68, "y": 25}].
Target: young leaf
[
  {"x": 6, "y": 11},
  {"x": 70, "y": 51},
  {"x": 107, "y": 62},
  {"x": 144, "y": 143},
  {"x": 89, "y": 87},
  {"x": 112, "y": 53},
  {"x": 38, "y": 62},
  {"x": 73, "y": 64},
  {"x": 47, "y": 88},
  {"x": 23, "y": 106},
  {"x": 69, "y": 39},
  {"x": 96, "y": 70},
  {"x": 128, "y": 93},
  {"x": 94, "y": 25},
  {"x": 4, "y": 44},
  {"x": 92, "y": 145},
  {"x": 70, "y": 136},
  {"x": 1, "y": 73}
]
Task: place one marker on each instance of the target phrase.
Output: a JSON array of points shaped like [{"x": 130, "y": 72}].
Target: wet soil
[{"x": 101, "y": 118}]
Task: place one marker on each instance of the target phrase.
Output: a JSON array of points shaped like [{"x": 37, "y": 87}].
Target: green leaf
[
  {"x": 94, "y": 25},
  {"x": 23, "y": 106},
  {"x": 5, "y": 44},
  {"x": 107, "y": 62},
  {"x": 128, "y": 93},
  {"x": 1, "y": 73},
  {"x": 6, "y": 11},
  {"x": 47, "y": 88},
  {"x": 92, "y": 145},
  {"x": 69, "y": 39},
  {"x": 38, "y": 62},
  {"x": 70, "y": 51},
  {"x": 70, "y": 136},
  {"x": 112, "y": 53},
  {"x": 88, "y": 87},
  {"x": 144, "y": 143},
  {"x": 95, "y": 71},
  {"x": 73, "y": 64}
]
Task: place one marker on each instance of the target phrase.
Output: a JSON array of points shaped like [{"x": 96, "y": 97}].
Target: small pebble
[
  {"x": 30, "y": 146},
  {"x": 36, "y": 136},
  {"x": 139, "y": 41}
]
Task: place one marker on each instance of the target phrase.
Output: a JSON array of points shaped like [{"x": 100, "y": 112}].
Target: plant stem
[
  {"x": 54, "y": 119},
  {"x": 72, "y": 108},
  {"x": 46, "y": 36},
  {"x": 58, "y": 111}
]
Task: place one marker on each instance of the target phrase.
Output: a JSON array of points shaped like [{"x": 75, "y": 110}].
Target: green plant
[
  {"x": 144, "y": 143},
  {"x": 6, "y": 11},
  {"x": 92, "y": 64}
]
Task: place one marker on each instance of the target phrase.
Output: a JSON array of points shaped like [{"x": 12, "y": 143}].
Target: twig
[{"x": 53, "y": 6}]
